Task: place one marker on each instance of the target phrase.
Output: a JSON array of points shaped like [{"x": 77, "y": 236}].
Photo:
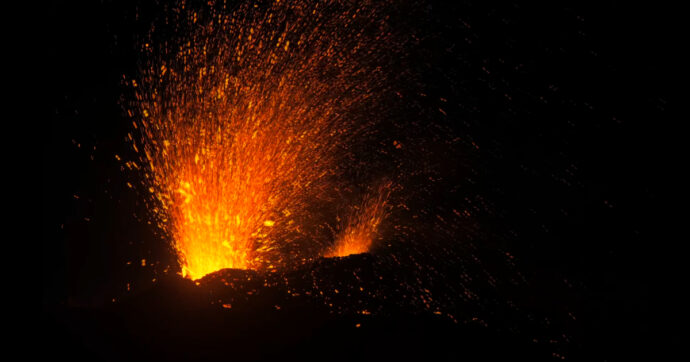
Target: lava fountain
[
  {"x": 360, "y": 228},
  {"x": 241, "y": 119}
]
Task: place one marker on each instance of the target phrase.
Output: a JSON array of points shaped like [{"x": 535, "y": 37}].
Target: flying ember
[{"x": 243, "y": 116}]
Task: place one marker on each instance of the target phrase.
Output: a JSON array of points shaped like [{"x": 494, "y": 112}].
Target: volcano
[
  {"x": 243, "y": 315},
  {"x": 358, "y": 180}
]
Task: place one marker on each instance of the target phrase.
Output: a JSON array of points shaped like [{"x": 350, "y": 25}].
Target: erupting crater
[{"x": 243, "y": 121}]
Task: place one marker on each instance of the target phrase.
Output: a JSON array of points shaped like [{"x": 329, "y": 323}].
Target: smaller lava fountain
[{"x": 361, "y": 227}]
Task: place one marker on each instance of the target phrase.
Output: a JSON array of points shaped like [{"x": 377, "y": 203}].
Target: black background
[{"x": 567, "y": 105}]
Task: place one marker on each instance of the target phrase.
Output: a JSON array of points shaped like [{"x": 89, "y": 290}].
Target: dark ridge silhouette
[{"x": 242, "y": 315}]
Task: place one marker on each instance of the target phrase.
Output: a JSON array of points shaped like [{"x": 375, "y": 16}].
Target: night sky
[{"x": 559, "y": 121}]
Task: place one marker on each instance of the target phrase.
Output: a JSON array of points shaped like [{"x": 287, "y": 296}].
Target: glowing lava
[
  {"x": 241, "y": 122},
  {"x": 360, "y": 229}
]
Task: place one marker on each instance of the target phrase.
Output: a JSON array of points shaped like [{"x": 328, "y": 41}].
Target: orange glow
[
  {"x": 241, "y": 121},
  {"x": 361, "y": 228}
]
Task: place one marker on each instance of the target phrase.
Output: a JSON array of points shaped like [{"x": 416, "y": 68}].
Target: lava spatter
[
  {"x": 242, "y": 116},
  {"x": 361, "y": 228}
]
